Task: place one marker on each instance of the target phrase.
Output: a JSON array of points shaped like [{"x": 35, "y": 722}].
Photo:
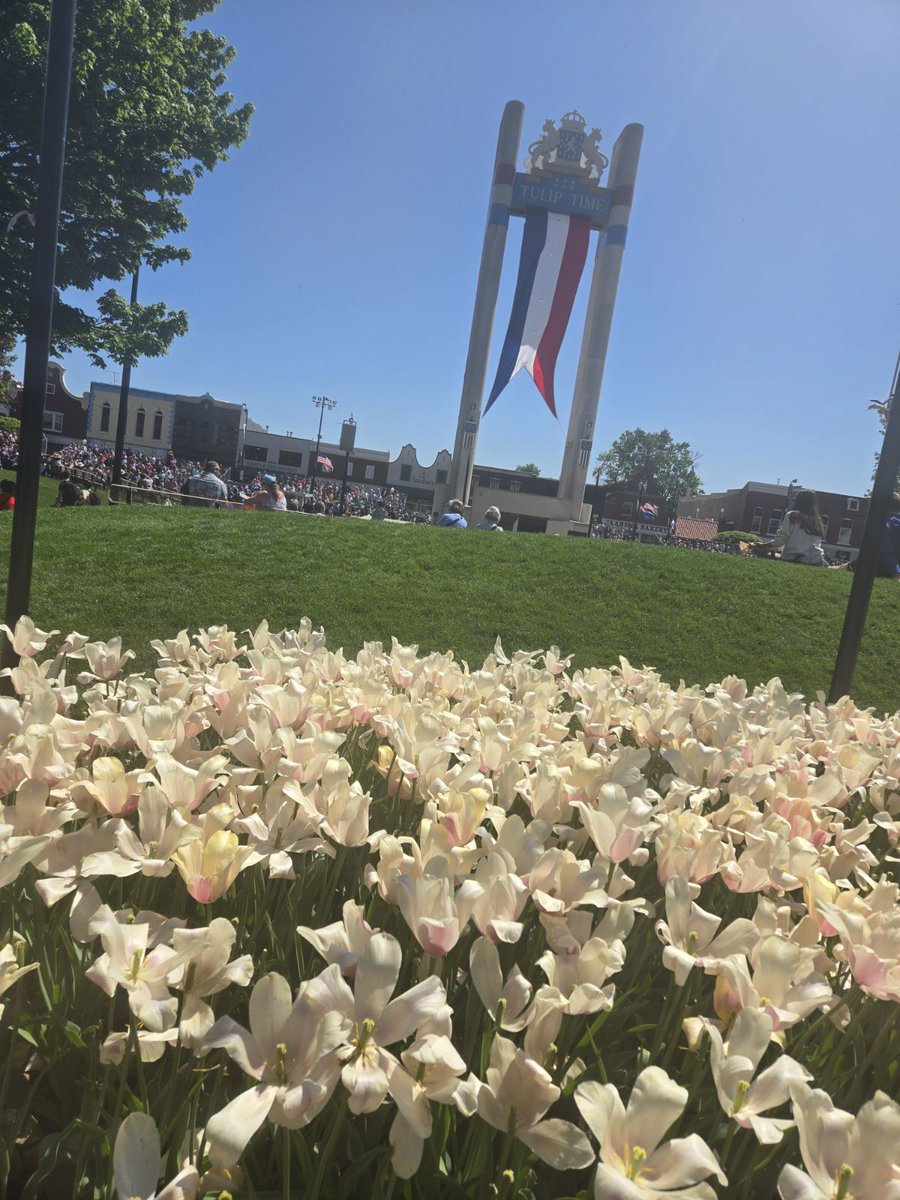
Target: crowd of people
[{"x": 82, "y": 468}]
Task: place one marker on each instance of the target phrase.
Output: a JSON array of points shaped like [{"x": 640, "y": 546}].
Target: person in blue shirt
[{"x": 453, "y": 518}]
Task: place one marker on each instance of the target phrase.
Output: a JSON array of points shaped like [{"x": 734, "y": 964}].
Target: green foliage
[
  {"x": 135, "y": 331},
  {"x": 148, "y": 116},
  {"x": 146, "y": 572},
  {"x": 731, "y": 537},
  {"x": 529, "y": 468},
  {"x": 637, "y": 455},
  {"x": 10, "y": 424}
]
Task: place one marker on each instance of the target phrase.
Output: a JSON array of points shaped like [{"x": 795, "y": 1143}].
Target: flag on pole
[
  {"x": 554, "y": 248},
  {"x": 648, "y": 511},
  {"x": 325, "y": 462}
]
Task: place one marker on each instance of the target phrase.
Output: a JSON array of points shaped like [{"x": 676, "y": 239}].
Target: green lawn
[{"x": 146, "y": 572}]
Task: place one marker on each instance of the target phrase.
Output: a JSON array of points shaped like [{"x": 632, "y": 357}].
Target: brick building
[
  {"x": 760, "y": 507},
  {"x": 65, "y": 415}
]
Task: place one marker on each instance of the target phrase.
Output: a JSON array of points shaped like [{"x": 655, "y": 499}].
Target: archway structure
[{"x": 562, "y": 178}]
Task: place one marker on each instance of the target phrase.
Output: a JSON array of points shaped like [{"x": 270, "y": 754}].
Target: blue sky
[{"x": 758, "y": 309}]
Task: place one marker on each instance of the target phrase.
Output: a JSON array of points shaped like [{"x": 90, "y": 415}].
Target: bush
[
  {"x": 731, "y": 537},
  {"x": 10, "y": 424}
]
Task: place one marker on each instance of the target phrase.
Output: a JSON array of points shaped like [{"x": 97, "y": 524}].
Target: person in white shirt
[{"x": 799, "y": 536}]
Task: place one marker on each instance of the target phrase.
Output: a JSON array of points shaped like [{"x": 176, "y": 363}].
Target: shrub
[{"x": 731, "y": 537}]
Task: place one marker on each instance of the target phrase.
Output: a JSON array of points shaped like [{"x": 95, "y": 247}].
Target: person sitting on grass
[
  {"x": 799, "y": 536},
  {"x": 7, "y": 495},
  {"x": 453, "y": 518},
  {"x": 491, "y": 520},
  {"x": 269, "y": 498},
  {"x": 68, "y": 493}
]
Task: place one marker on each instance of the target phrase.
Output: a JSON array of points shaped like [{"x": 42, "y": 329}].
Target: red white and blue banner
[{"x": 554, "y": 247}]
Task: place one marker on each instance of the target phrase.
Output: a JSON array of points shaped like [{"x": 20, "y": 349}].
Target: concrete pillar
[
  {"x": 601, "y": 303},
  {"x": 460, "y": 477}
]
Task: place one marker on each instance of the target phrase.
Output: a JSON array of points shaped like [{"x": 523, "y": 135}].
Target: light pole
[
  {"x": 122, "y": 420},
  {"x": 321, "y": 403},
  {"x": 787, "y": 503}
]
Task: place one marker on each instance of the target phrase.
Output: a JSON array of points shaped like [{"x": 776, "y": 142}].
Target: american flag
[
  {"x": 648, "y": 511},
  {"x": 470, "y": 428},
  {"x": 325, "y": 462}
]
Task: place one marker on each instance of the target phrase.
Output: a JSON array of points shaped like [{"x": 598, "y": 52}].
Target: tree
[
  {"x": 148, "y": 116},
  {"x": 529, "y": 469},
  {"x": 638, "y": 456}
]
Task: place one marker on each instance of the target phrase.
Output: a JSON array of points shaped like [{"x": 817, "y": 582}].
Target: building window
[
  {"x": 139, "y": 423},
  {"x": 775, "y": 520},
  {"x": 515, "y": 485},
  {"x": 494, "y": 483},
  {"x": 51, "y": 389},
  {"x": 441, "y": 476},
  {"x": 157, "y": 427},
  {"x": 756, "y": 524},
  {"x": 627, "y": 508},
  {"x": 290, "y": 458},
  {"x": 105, "y": 412},
  {"x": 405, "y": 473},
  {"x": 824, "y": 529},
  {"x": 53, "y": 421},
  {"x": 845, "y": 532},
  {"x": 370, "y": 472},
  {"x": 256, "y": 453},
  {"x": 853, "y": 503}
]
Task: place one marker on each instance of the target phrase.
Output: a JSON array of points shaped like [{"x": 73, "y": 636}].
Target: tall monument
[{"x": 562, "y": 198}]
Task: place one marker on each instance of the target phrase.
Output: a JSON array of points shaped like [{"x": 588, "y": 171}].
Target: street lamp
[
  {"x": 787, "y": 503},
  {"x": 321, "y": 403}
]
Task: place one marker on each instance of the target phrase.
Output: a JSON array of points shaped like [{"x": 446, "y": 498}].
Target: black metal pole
[
  {"x": 312, "y": 482},
  {"x": 867, "y": 562},
  {"x": 122, "y": 419},
  {"x": 344, "y": 480},
  {"x": 40, "y": 311}
]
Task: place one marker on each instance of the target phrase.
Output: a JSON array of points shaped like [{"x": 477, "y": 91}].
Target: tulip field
[{"x": 282, "y": 921}]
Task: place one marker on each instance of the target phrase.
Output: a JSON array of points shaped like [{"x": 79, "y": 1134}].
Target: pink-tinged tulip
[
  {"x": 173, "y": 651},
  {"x": 498, "y": 900},
  {"x": 433, "y": 909},
  {"x": 342, "y": 805},
  {"x": 343, "y": 942},
  {"x": 290, "y": 1051},
  {"x": 689, "y": 846},
  {"x": 514, "y": 1098},
  {"x": 633, "y": 1164},
  {"x": 136, "y": 1162},
  {"x": 689, "y": 933},
  {"x": 209, "y": 867},
  {"x": 615, "y": 824},
  {"x": 105, "y": 659},
  {"x": 784, "y": 982},
  {"x": 845, "y": 1157},
  {"x": 26, "y": 639},
  {"x": 734, "y": 1064},
  {"x": 376, "y": 1020},
  {"x": 870, "y": 938},
  {"x": 278, "y": 832},
  {"x": 306, "y": 758},
  {"x": 10, "y": 970}
]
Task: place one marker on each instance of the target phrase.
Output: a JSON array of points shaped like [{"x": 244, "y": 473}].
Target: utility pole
[
  {"x": 321, "y": 403},
  {"x": 40, "y": 311}
]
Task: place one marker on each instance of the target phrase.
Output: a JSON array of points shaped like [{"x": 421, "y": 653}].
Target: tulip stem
[{"x": 286, "y": 1163}]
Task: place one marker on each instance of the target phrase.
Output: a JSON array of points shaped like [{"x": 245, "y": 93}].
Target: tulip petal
[
  {"x": 229, "y": 1131},
  {"x": 376, "y": 975},
  {"x": 559, "y": 1143},
  {"x": 136, "y": 1157}
]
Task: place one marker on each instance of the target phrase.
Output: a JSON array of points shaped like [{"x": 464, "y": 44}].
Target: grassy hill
[{"x": 146, "y": 572}]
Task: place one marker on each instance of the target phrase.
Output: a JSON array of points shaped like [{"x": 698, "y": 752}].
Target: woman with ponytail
[{"x": 800, "y": 533}]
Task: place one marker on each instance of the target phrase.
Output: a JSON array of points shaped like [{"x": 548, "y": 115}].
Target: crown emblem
[{"x": 568, "y": 150}]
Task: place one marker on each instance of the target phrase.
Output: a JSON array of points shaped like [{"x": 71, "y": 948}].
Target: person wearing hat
[
  {"x": 491, "y": 520},
  {"x": 269, "y": 498},
  {"x": 453, "y": 518},
  {"x": 207, "y": 489}
]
